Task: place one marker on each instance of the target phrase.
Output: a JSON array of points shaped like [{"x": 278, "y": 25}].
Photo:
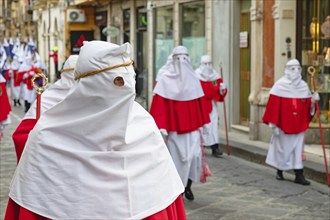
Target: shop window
[
  {"x": 193, "y": 30},
  {"x": 163, "y": 36},
  {"x": 126, "y": 23},
  {"x": 313, "y": 49}
]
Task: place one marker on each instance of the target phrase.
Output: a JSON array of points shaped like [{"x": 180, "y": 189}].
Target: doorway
[{"x": 245, "y": 67}]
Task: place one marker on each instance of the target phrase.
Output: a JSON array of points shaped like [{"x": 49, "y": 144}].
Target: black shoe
[
  {"x": 279, "y": 175},
  {"x": 15, "y": 102},
  {"x": 18, "y": 102},
  {"x": 188, "y": 193},
  {"x": 300, "y": 179},
  {"x": 215, "y": 151}
]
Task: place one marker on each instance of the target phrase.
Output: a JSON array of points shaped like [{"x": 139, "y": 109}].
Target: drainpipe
[{"x": 48, "y": 33}]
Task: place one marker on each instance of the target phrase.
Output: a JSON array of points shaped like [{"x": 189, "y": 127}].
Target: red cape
[
  {"x": 292, "y": 115},
  {"x": 212, "y": 93},
  {"x": 4, "y": 102},
  {"x": 21, "y": 134},
  {"x": 175, "y": 211},
  {"x": 179, "y": 116}
]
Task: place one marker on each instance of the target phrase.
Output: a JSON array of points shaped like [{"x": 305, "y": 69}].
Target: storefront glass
[
  {"x": 315, "y": 51},
  {"x": 193, "y": 30},
  {"x": 163, "y": 36}
]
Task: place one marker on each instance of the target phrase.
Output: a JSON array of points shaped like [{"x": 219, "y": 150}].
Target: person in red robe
[
  {"x": 288, "y": 112},
  {"x": 5, "y": 108},
  {"x": 178, "y": 110},
  {"x": 215, "y": 91},
  {"x": 50, "y": 97},
  {"x": 97, "y": 154}
]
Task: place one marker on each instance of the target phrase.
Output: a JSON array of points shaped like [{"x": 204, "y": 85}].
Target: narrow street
[{"x": 238, "y": 189}]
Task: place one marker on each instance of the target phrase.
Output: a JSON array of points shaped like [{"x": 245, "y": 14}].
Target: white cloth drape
[
  {"x": 285, "y": 151},
  {"x": 186, "y": 154},
  {"x": 97, "y": 154}
]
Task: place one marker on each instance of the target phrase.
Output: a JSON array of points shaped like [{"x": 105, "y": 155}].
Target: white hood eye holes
[
  {"x": 180, "y": 57},
  {"x": 295, "y": 68},
  {"x": 119, "y": 81}
]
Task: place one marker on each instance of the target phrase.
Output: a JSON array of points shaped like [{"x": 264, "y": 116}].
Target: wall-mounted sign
[
  {"x": 111, "y": 31},
  {"x": 244, "y": 39},
  {"x": 101, "y": 18},
  {"x": 77, "y": 38},
  {"x": 287, "y": 14},
  {"x": 142, "y": 21}
]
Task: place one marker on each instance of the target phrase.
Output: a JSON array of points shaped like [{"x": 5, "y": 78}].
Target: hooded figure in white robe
[
  {"x": 179, "y": 114},
  {"x": 288, "y": 112},
  {"x": 50, "y": 97},
  {"x": 215, "y": 91},
  {"x": 97, "y": 154}
]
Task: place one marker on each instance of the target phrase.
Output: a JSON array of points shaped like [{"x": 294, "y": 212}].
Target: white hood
[
  {"x": 97, "y": 154},
  {"x": 178, "y": 81}
]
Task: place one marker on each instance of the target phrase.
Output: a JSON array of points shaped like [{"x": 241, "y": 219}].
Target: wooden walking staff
[
  {"x": 225, "y": 116},
  {"x": 311, "y": 70},
  {"x": 39, "y": 90}
]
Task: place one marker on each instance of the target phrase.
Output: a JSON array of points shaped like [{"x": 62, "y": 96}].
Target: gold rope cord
[
  {"x": 67, "y": 69},
  {"x": 90, "y": 73}
]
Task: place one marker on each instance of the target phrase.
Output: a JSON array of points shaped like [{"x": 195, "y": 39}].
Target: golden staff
[
  {"x": 311, "y": 70},
  {"x": 39, "y": 89}
]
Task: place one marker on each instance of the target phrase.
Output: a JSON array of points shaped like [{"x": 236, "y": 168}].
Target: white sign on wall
[{"x": 243, "y": 39}]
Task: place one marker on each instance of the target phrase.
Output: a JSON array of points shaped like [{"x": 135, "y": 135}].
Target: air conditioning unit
[{"x": 75, "y": 15}]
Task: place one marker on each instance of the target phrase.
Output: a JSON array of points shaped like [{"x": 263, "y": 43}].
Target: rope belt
[
  {"x": 67, "y": 69},
  {"x": 90, "y": 73}
]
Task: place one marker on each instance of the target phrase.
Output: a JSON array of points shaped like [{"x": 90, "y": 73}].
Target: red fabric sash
[
  {"x": 292, "y": 115},
  {"x": 179, "y": 116},
  {"x": 4, "y": 102}
]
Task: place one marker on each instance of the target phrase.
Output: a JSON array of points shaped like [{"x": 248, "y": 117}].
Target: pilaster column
[
  {"x": 176, "y": 24},
  {"x": 133, "y": 28},
  {"x": 208, "y": 27},
  {"x": 151, "y": 47},
  {"x": 284, "y": 14},
  {"x": 256, "y": 17}
]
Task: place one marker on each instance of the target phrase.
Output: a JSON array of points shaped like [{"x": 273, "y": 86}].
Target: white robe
[
  {"x": 186, "y": 153},
  {"x": 212, "y": 136},
  {"x": 285, "y": 151}
]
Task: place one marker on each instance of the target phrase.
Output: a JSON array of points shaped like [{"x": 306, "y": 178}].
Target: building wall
[
  {"x": 283, "y": 17},
  {"x": 50, "y": 34},
  {"x": 225, "y": 44}
]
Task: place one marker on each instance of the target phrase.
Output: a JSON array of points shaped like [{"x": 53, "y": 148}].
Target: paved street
[{"x": 238, "y": 189}]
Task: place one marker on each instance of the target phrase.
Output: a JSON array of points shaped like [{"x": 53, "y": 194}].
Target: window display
[
  {"x": 315, "y": 51},
  {"x": 163, "y": 36},
  {"x": 193, "y": 30}
]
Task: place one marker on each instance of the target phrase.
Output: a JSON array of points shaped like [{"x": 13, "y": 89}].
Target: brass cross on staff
[{"x": 39, "y": 89}]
